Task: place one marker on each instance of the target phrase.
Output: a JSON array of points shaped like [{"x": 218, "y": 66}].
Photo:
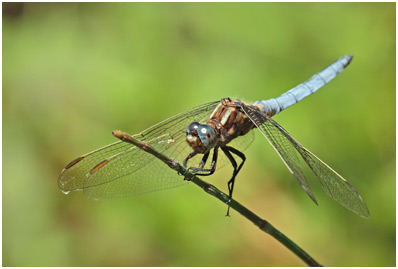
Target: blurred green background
[{"x": 72, "y": 73}]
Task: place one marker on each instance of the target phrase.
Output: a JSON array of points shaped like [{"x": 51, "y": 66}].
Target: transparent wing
[
  {"x": 73, "y": 175},
  {"x": 121, "y": 169},
  {"x": 289, "y": 150}
]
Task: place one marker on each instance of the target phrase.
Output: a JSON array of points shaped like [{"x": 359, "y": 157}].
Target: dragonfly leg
[
  {"x": 204, "y": 160},
  {"x": 212, "y": 166},
  {"x": 192, "y": 154},
  {"x": 227, "y": 150},
  {"x": 201, "y": 165},
  {"x": 200, "y": 171},
  {"x": 206, "y": 172}
]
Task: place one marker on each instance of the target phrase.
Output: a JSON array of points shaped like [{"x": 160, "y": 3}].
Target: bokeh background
[{"x": 73, "y": 72}]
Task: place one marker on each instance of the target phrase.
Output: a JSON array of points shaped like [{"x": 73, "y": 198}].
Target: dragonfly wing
[
  {"x": 102, "y": 166},
  {"x": 134, "y": 171},
  {"x": 335, "y": 185},
  {"x": 152, "y": 175},
  {"x": 288, "y": 148},
  {"x": 121, "y": 169},
  {"x": 74, "y": 174},
  {"x": 282, "y": 145}
]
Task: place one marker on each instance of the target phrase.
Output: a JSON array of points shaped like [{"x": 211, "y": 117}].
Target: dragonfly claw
[{"x": 186, "y": 177}]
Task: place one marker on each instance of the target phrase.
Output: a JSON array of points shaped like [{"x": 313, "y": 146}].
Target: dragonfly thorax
[{"x": 201, "y": 137}]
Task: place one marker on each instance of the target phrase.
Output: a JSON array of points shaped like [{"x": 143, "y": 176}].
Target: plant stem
[{"x": 212, "y": 190}]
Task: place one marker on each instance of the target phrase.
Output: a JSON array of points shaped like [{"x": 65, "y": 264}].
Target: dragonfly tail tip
[{"x": 348, "y": 59}]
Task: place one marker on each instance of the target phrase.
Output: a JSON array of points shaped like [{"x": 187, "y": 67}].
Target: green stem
[{"x": 212, "y": 190}]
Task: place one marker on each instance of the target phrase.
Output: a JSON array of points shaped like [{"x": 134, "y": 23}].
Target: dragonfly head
[{"x": 201, "y": 137}]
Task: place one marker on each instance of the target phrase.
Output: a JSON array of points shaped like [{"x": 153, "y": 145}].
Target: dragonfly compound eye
[
  {"x": 193, "y": 128},
  {"x": 207, "y": 135}
]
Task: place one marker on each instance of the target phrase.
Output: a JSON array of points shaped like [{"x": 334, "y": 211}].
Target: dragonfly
[{"x": 220, "y": 129}]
